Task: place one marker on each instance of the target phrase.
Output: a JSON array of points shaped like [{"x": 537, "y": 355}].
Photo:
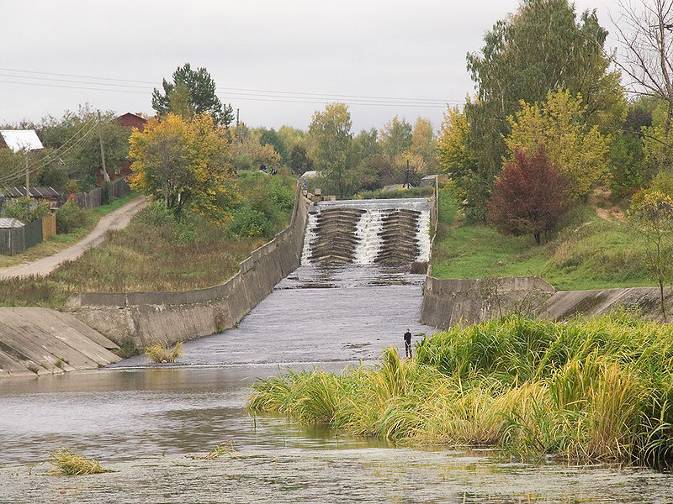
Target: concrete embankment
[
  {"x": 450, "y": 302},
  {"x": 38, "y": 341},
  {"x": 150, "y": 317}
]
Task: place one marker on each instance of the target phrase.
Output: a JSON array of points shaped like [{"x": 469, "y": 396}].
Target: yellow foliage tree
[
  {"x": 454, "y": 156},
  {"x": 185, "y": 164},
  {"x": 580, "y": 151}
]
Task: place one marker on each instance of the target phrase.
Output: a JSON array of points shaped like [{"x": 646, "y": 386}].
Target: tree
[
  {"x": 529, "y": 196},
  {"x": 579, "y": 151},
  {"x": 651, "y": 213},
  {"x": 249, "y": 153},
  {"x": 330, "y": 137},
  {"x": 269, "y": 136},
  {"x": 202, "y": 95},
  {"x": 456, "y": 159},
  {"x": 542, "y": 47},
  {"x": 299, "y": 161},
  {"x": 647, "y": 51},
  {"x": 180, "y": 101},
  {"x": 395, "y": 137},
  {"x": 84, "y": 160},
  {"x": 185, "y": 164},
  {"x": 423, "y": 144}
]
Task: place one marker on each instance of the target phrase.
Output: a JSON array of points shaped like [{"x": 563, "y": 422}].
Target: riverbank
[{"x": 587, "y": 390}]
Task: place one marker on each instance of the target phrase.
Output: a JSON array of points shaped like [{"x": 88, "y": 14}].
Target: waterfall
[
  {"x": 309, "y": 238},
  {"x": 368, "y": 232},
  {"x": 423, "y": 237}
]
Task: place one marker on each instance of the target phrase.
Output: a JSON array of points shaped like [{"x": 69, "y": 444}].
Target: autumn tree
[
  {"x": 194, "y": 91},
  {"x": 424, "y": 145},
  {"x": 330, "y": 139},
  {"x": 185, "y": 164},
  {"x": 529, "y": 196},
  {"x": 395, "y": 137},
  {"x": 579, "y": 151},
  {"x": 249, "y": 153},
  {"x": 544, "y": 46},
  {"x": 651, "y": 213}
]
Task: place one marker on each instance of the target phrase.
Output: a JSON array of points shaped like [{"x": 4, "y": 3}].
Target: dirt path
[{"x": 117, "y": 219}]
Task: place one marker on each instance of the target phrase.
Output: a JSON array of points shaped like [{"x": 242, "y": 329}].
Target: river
[{"x": 146, "y": 421}]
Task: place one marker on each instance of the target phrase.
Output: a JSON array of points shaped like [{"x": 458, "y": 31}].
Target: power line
[{"x": 230, "y": 92}]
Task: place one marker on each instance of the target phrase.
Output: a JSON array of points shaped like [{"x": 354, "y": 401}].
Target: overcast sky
[{"x": 276, "y": 61}]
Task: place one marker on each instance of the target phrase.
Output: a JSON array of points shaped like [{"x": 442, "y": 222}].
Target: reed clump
[
  {"x": 162, "y": 353},
  {"x": 67, "y": 463},
  {"x": 588, "y": 390}
]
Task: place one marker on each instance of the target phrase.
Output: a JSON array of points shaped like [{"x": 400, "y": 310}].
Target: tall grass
[
  {"x": 161, "y": 353},
  {"x": 588, "y": 390}
]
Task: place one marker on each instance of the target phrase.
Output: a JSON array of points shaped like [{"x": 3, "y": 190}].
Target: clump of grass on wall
[
  {"x": 67, "y": 463},
  {"x": 588, "y": 390}
]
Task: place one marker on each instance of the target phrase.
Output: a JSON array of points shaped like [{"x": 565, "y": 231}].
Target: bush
[
  {"x": 248, "y": 222},
  {"x": 26, "y": 210},
  {"x": 70, "y": 217}
]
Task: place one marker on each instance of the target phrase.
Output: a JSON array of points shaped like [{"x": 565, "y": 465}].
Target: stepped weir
[{"x": 391, "y": 233}]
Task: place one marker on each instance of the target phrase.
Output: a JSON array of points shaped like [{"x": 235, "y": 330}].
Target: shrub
[
  {"x": 26, "y": 209},
  {"x": 70, "y": 217},
  {"x": 529, "y": 196},
  {"x": 67, "y": 463},
  {"x": 248, "y": 222}
]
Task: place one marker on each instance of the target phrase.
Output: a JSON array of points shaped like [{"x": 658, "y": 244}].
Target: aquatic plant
[
  {"x": 67, "y": 463},
  {"x": 161, "y": 353},
  {"x": 223, "y": 449},
  {"x": 596, "y": 389}
]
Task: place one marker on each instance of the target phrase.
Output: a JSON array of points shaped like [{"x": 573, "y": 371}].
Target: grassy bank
[
  {"x": 159, "y": 251},
  {"x": 587, "y": 253},
  {"x": 62, "y": 241},
  {"x": 589, "y": 390}
]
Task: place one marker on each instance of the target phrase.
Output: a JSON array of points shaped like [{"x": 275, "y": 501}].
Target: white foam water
[
  {"x": 309, "y": 237},
  {"x": 423, "y": 237},
  {"x": 367, "y": 233}
]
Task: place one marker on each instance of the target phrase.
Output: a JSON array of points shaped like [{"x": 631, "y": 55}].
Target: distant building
[
  {"x": 37, "y": 193},
  {"x": 130, "y": 121},
  {"x": 20, "y": 140}
]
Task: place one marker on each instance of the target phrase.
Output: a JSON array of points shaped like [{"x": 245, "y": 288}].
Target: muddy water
[{"x": 144, "y": 421}]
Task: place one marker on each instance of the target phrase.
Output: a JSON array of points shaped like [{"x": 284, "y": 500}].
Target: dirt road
[{"x": 118, "y": 219}]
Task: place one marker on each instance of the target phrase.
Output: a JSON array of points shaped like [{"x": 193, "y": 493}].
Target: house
[
  {"x": 20, "y": 140},
  {"x": 130, "y": 121}
]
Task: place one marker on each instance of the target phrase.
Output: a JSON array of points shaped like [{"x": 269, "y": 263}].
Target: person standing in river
[{"x": 407, "y": 344}]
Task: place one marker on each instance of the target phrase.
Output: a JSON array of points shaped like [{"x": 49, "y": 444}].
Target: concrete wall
[
  {"x": 149, "y": 317},
  {"x": 38, "y": 341},
  {"x": 450, "y": 302}
]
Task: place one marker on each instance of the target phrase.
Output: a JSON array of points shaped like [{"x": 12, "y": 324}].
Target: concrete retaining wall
[
  {"x": 38, "y": 341},
  {"x": 149, "y": 317},
  {"x": 450, "y": 302}
]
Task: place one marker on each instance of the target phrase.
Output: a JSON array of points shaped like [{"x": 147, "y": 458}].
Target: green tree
[
  {"x": 396, "y": 137},
  {"x": 299, "y": 160},
  {"x": 651, "y": 213},
  {"x": 542, "y": 47},
  {"x": 202, "y": 95},
  {"x": 423, "y": 144},
  {"x": 330, "y": 137}
]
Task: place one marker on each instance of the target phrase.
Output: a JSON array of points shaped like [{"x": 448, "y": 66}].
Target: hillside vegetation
[
  {"x": 587, "y": 253},
  {"x": 159, "y": 251}
]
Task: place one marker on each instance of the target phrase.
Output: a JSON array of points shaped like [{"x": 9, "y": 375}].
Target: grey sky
[{"x": 359, "y": 48}]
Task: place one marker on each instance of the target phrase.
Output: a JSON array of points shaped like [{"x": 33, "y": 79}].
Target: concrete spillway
[{"x": 384, "y": 232}]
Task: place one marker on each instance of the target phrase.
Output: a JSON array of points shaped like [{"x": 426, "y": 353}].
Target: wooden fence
[
  {"x": 48, "y": 226},
  {"x": 103, "y": 195}
]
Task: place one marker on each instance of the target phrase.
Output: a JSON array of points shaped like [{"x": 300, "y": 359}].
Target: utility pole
[
  {"x": 407, "y": 184},
  {"x": 27, "y": 174},
  {"x": 237, "y": 116},
  {"x": 106, "y": 177}
]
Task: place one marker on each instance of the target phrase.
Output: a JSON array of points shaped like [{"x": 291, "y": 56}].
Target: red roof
[{"x": 131, "y": 120}]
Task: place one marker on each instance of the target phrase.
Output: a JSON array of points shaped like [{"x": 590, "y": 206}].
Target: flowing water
[{"x": 145, "y": 421}]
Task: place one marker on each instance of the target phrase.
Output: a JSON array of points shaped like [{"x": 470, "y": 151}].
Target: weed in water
[{"x": 161, "y": 353}]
